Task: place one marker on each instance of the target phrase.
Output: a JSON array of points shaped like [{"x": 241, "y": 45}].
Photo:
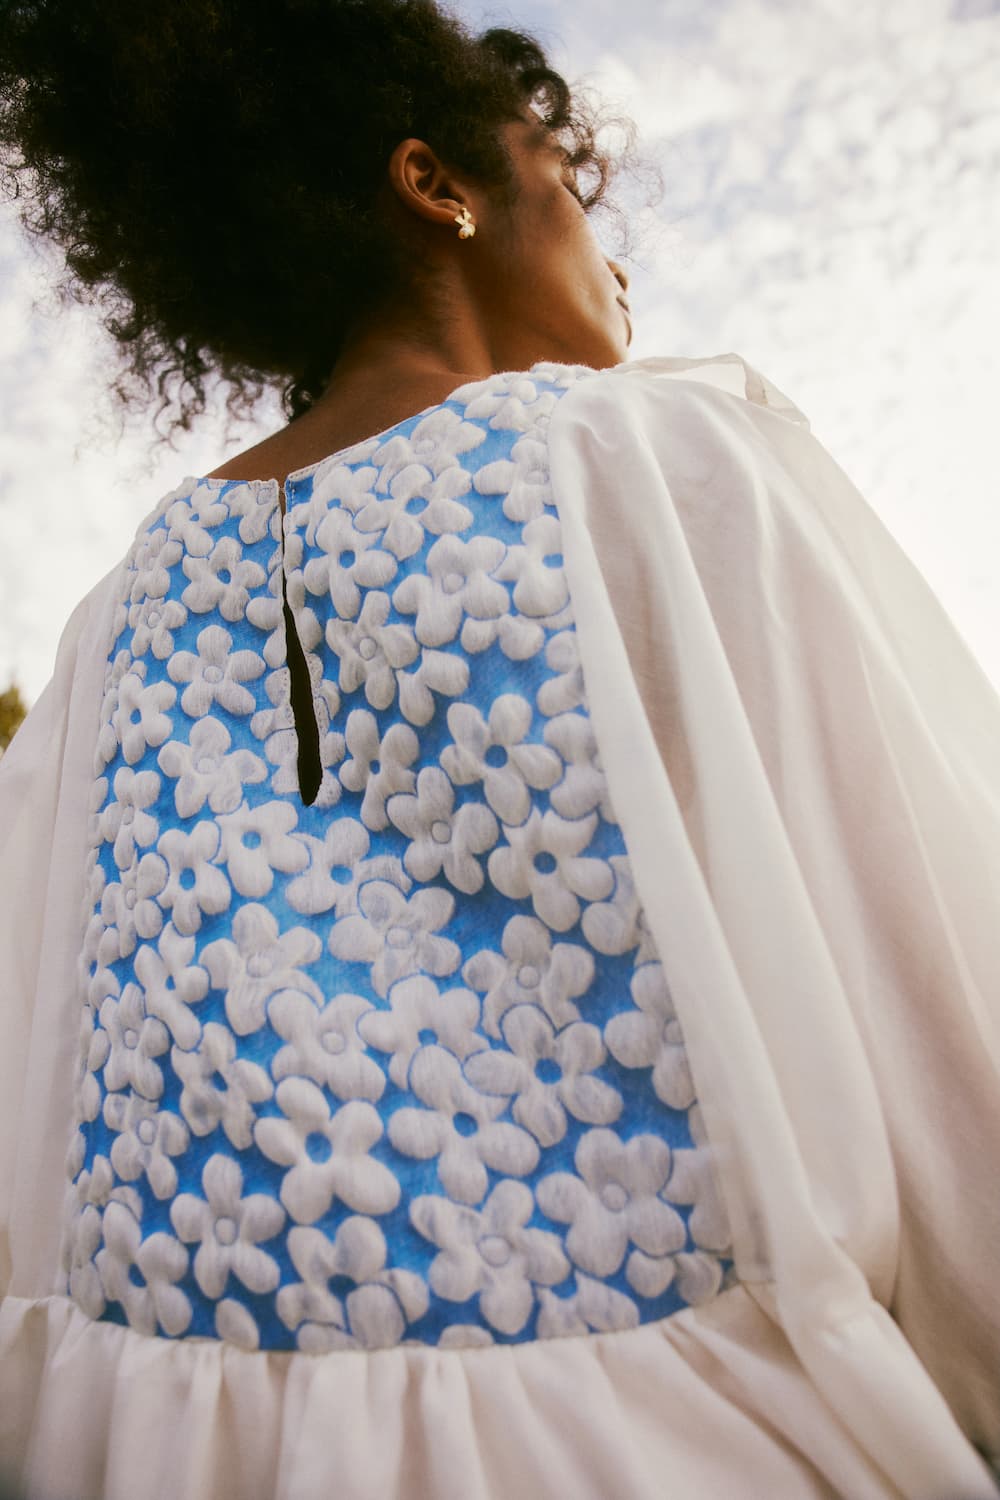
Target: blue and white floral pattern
[{"x": 400, "y": 1066}]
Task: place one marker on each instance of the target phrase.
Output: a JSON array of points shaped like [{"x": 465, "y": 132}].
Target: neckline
[{"x": 281, "y": 486}]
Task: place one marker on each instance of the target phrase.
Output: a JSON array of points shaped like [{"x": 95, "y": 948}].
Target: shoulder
[{"x": 670, "y": 378}]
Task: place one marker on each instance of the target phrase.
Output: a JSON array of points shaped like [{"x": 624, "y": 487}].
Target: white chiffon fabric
[{"x": 804, "y": 757}]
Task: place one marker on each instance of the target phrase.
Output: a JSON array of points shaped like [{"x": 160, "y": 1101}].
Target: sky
[{"x": 831, "y": 212}]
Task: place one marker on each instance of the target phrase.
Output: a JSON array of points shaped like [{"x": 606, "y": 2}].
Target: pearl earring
[{"x": 466, "y": 223}]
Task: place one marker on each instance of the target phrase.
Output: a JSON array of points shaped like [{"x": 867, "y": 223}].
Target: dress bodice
[{"x": 400, "y": 1065}]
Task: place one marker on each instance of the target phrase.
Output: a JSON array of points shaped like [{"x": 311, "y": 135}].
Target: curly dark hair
[{"x": 210, "y": 168}]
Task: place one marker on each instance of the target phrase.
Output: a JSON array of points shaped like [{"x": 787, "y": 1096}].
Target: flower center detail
[
  {"x": 225, "y": 1231},
  {"x": 367, "y": 647},
  {"x": 130, "y": 1038},
  {"x": 146, "y": 1131},
  {"x": 440, "y": 831},
  {"x": 547, "y": 1070},
  {"x": 259, "y": 964},
  {"x": 213, "y": 674},
  {"x": 333, "y": 1041},
  {"x": 399, "y": 937},
  {"x": 452, "y": 582},
  {"x": 207, "y": 765},
  {"x": 613, "y": 1196},
  {"x": 545, "y": 862},
  {"x": 494, "y": 1249},
  {"x": 528, "y": 977},
  {"x": 318, "y": 1148}
]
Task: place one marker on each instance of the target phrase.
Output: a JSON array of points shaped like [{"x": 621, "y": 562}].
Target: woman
[{"x": 518, "y": 847}]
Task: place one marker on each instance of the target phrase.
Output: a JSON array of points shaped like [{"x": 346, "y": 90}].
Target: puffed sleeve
[
  {"x": 806, "y": 755},
  {"x": 46, "y": 776}
]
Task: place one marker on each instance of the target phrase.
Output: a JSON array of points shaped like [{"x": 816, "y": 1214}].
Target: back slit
[{"x": 310, "y": 771}]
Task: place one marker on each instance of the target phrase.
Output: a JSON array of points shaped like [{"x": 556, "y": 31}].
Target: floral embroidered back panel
[{"x": 399, "y": 1066}]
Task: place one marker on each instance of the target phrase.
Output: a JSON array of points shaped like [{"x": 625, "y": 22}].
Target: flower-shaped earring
[{"x": 466, "y": 223}]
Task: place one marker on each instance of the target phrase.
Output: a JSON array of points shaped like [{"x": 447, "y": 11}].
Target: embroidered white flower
[
  {"x": 594, "y": 1307},
  {"x": 371, "y": 651},
  {"x": 650, "y": 1037},
  {"x": 194, "y": 884},
  {"x": 373, "y": 1315},
  {"x": 140, "y": 720},
  {"x": 494, "y": 752},
  {"x": 256, "y": 505},
  {"x": 456, "y": 582},
  {"x": 257, "y": 963},
  {"x": 124, "y": 822},
  {"x": 513, "y": 403},
  {"x": 255, "y": 841},
  {"x": 378, "y": 766},
  {"x": 221, "y": 581},
  {"x": 618, "y": 925},
  {"x": 236, "y": 1324},
  {"x": 327, "y": 1156},
  {"x": 215, "y": 675},
  {"x": 206, "y": 770},
  {"x": 93, "y": 1046},
  {"x": 147, "y": 1138},
  {"x": 523, "y": 480},
  {"x": 396, "y": 935},
  {"x": 443, "y": 837},
  {"x": 435, "y": 443},
  {"x": 141, "y": 1274},
  {"x": 438, "y": 672},
  {"x": 536, "y": 569},
  {"x": 519, "y": 639},
  {"x": 153, "y": 622},
  {"x": 220, "y": 1088},
  {"x": 192, "y": 517},
  {"x": 278, "y": 716},
  {"x": 172, "y": 984},
  {"x": 343, "y": 483},
  {"x": 490, "y": 1251},
  {"x": 228, "y": 1228},
  {"x": 417, "y": 503},
  {"x": 338, "y": 867},
  {"x": 693, "y": 1180},
  {"x": 151, "y": 557},
  {"x": 265, "y": 613},
  {"x": 419, "y": 1013},
  {"x": 548, "y": 1072},
  {"x": 134, "y": 1039},
  {"x": 543, "y": 860},
  {"x": 350, "y": 561},
  {"x": 532, "y": 971},
  {"x": 82, "y": 1277},
  {"x": 618, "y": 1198},
  {"x": 324, "y": 1045},
  {"x": 583, "y": 786},
  {"x": 565, "y": 690},
  {"x": 460, "y": 1127},
  {"x": 129, "y": 908}
]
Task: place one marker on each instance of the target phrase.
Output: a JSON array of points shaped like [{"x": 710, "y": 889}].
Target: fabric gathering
[{"x": 595, "y": 1089}]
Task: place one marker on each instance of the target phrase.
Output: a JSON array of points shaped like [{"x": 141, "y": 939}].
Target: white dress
[{"x": 595, "y": 1090}]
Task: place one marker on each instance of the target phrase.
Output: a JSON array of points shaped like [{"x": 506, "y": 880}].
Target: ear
[{"x": 424, "y": 186}]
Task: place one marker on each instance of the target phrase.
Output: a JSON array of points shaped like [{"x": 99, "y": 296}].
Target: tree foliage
[{"x": 12, "y": 710}]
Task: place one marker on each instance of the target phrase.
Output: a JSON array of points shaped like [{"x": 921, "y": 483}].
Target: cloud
[{"x": 831, "y": 212}]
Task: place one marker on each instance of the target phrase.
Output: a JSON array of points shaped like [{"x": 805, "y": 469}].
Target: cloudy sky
[{"x": 832, "y": 213}]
